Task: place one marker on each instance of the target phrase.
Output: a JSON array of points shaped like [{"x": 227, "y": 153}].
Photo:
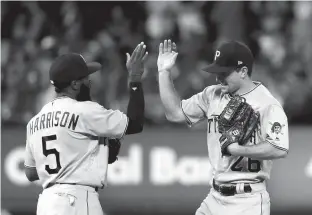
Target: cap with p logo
[
  {"x": 217, "y": 54},
  {"x": 231, "y": 55}
]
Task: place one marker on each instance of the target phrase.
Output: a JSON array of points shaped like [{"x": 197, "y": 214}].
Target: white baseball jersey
[
  {"x": 65, "y": 141},
  {"x": 273, "y": 128}
]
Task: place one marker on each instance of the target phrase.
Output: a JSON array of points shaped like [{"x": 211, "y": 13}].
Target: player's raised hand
[
  {"x": 135, "y": 62},
  {"x": 167, "y": 55}
]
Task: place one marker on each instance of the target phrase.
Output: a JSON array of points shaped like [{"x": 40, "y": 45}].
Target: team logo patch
[{"x": 276, "y": 131}]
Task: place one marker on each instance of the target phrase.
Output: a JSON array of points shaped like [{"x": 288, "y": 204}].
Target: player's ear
[
  {"x": 75, "y": 85},
  {"x": 244, "y": 72}
]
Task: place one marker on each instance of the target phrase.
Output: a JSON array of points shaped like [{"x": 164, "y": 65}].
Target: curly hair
[{"x": 274, "y": 125}]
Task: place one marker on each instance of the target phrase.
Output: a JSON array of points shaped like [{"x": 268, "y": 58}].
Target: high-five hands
[
  {"x": 167, "y": 56},
  {"x": 135, "y": 62},
  {"x": 166, "y": 59}
]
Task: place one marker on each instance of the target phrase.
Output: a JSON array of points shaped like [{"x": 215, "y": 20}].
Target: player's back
[{"x": 63, "y": 145}]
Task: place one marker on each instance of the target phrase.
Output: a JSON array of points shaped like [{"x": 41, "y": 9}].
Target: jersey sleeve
[
  {"x": 196, "y": 107},
  {"x": 29, "y": 158},
  {"x": 276, "y": 127},
  {"x": 102, "y": 122}
]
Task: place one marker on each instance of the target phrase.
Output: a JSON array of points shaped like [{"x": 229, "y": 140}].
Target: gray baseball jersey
[
  {"x": 64, "y": 141},
  {"x": 273, "y": 129}
]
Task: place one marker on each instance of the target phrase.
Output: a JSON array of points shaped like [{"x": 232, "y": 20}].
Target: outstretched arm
[
  {"x": 135, "y": 110},
  {"x": 169, "y": 97},
  {"x": 113, "y": 123}
]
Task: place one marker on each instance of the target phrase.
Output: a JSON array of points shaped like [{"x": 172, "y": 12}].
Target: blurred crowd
[{"x": 34, "y": 33}]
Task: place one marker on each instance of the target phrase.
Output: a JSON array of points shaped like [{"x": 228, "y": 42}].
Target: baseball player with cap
[
  {"x": 238, "y": 179},
  {"x": 66, "y": 145}
]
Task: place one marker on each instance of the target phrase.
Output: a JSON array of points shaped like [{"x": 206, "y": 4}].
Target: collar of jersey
[
  {"x": 257, "y": 83},
  {"x": 60, "y": 97}
]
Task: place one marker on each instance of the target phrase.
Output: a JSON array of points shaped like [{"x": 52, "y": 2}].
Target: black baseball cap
[
  {"x": 70, "y": 67},
  {"x": 231, "y": 55}
]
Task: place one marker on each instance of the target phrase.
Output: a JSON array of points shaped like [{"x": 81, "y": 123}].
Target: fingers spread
[
  {"x": 169, "y": 46},
  {"x": 165, "y": 46},
  {"x": 161, "y": 48}
]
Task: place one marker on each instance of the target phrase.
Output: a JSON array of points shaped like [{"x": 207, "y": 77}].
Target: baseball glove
[
  {"x": 113, "y": 150},
  {"x": 236, "y": 123}
]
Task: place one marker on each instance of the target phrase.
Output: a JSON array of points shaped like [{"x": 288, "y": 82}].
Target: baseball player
[
  {"x": 67, "y": 141},
  {"x": 239, "y": 179}
]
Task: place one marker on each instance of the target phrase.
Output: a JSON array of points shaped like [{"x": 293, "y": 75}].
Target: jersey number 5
[
  {"x": 253, "y": 165},
  {"x": 48, "y": 152}
]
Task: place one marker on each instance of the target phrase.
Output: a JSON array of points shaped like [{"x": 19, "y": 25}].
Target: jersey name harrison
[
  {"x": 213, "y": 127},
  {"x": 53, "y": 119}
]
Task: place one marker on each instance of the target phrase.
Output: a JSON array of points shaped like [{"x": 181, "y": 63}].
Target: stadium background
[{"x": 165, "y": 169}]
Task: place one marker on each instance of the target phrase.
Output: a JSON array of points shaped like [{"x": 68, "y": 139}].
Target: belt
[
  {"x": 52, "y": 184},
  {"x": 230, "y": 189}
]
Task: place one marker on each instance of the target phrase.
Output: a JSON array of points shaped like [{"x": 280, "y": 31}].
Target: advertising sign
[{"x": 163, "y": 169}]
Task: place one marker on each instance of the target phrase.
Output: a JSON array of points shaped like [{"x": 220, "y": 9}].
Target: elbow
[
  {"x": 277, "y": 152},
  {"x": 31, "y": 178},
  {"x": 176, "y": 117},
  {"x": 170, "y": 117},
  {"x": 137, "y": 130},
  {"x": 31, "y": 174},
  {"x": 281, "y": 154},
  {"x": 134, "y": 127}
]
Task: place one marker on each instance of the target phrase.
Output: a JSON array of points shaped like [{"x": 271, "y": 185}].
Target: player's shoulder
[
  {"x": 31, "y": 120},
  {"x": 86, "y": 106},
  {"x": 267, "y": 98},
  {"x": 209, "y": 94},
  {"x": 209, "y": 90},
  {"x": 91, "y": 108},
  {"x": 270, "y": 104},
  {"x": 93, "y": 111},
  {"x": 43, "y": 109},
  {"x": 213, "y": 91}
]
